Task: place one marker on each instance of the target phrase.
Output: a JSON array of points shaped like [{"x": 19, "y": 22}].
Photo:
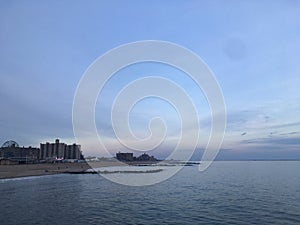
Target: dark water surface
[{"x": 227, "y": 193}]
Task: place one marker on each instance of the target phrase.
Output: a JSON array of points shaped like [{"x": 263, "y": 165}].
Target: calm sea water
[{"x": 227, "y": 193}]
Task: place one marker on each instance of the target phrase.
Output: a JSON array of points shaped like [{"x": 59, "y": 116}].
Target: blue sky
[{"x": 252, "y": 47}]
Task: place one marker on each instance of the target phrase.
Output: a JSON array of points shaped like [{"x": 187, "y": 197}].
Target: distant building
[
  {"x": 129, "y": 157},
  {"x": 146, "y": 157},
  {"x": 10, "y": 150},
  {"x": 58, "y": 150},
  {"x": 124, "y": 156}
]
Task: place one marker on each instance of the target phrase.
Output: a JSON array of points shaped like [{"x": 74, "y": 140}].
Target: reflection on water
[{"x": 228, "y": 192}]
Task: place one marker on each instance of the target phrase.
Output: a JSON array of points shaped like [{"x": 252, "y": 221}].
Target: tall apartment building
[{"x": 60, "y": 150}]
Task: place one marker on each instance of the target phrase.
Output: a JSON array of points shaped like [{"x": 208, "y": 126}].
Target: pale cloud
[{"x": 45, "y": 50}]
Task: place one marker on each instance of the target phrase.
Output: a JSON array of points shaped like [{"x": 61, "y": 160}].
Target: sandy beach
[{"x": 24, "y": 170}]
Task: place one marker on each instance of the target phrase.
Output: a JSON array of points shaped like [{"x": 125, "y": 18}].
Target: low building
[
  {"x": 124, "y": 156},
  {"x": 128, "y": 157},
  {"x": 12, "y": 151},
  {"x": 146, "y": 157}
]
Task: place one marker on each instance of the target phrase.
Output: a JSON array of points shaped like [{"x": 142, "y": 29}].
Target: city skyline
[
  {"x": 45, "y": 152},
  {"x": 251, "y": 46}
]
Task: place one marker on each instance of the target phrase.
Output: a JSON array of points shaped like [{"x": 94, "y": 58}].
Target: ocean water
[{"x": 227, "y": 193}]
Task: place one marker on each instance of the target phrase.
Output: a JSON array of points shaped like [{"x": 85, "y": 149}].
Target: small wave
[
  {"x": 129, "y": 171},
  {"x": 20, "y": 178},
  {"x": 126, "y": 169}
]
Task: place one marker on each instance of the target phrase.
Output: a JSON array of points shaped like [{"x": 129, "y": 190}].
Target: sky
[{"x": 252, "y": 47}]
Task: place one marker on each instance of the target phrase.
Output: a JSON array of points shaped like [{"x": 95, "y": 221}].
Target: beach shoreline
[{"x": 41, "y": 169}]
